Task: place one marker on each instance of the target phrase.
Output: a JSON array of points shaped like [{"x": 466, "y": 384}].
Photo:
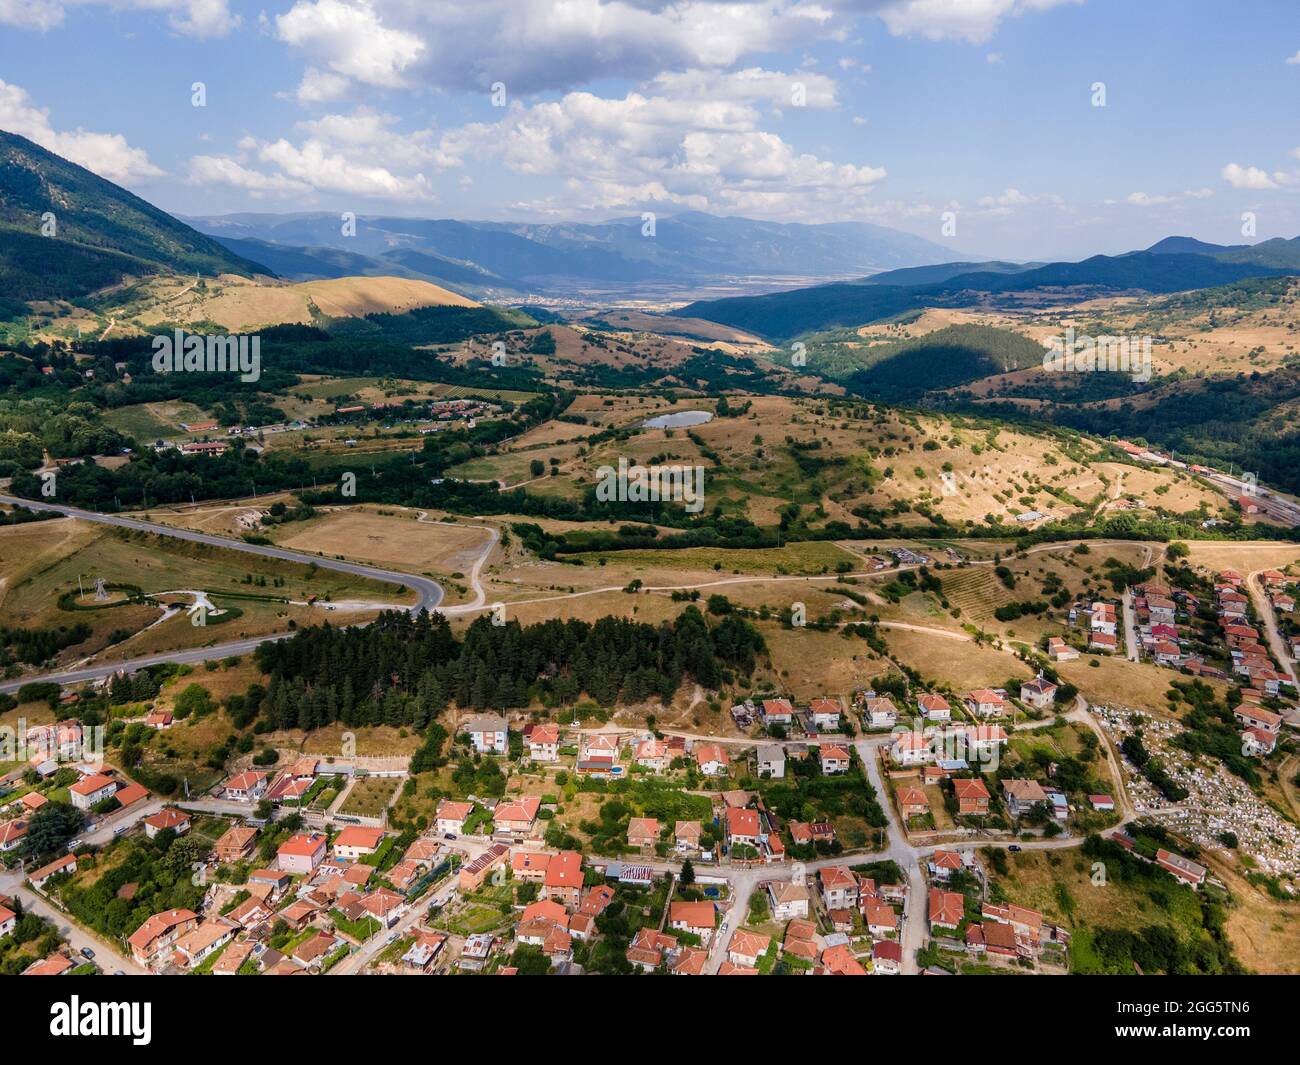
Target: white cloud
[
  {"x": 223, "y": 170},
  {"x": 351, "y": 38},
  {"x": 753, "y": 85},
  {"x": 1293, "y": 60},
  {"x": 1247, "y": 177},
  {"x": 107, "y": 154},
  {"x": 193, "y": 18},
  {"x": 706, "y": 155},
  {"x": 993, "y": 59},
  {"x": 1142, "y": 199},
  {"x": 968, "y": 20}
]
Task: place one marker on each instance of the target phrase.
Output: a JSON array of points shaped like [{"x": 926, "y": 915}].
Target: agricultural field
[{"x": 369, "y": 796}]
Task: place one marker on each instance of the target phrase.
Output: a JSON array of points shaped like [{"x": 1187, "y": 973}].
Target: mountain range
[
  {"x": 1174, "y": 264},
  {"x": 500, "y": 258}
]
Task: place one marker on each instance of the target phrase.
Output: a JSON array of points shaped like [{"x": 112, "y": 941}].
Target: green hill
[{"x": 103, "y": 234}]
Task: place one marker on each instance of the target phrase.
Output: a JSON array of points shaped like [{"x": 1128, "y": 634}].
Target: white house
[
  {"x": 488, "y": 733},
  {"x": 771, "y": 760}
]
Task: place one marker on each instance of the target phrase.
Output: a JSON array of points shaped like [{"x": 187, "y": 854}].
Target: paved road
[
  {"x": 1281, "y": 650},
  {"x": 429, "y": 593}
]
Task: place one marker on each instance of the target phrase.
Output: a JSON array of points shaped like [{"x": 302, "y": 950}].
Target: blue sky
[{"x": 889, "y": 111}]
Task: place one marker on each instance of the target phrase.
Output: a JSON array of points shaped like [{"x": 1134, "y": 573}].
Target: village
[{"x": 846, "y": 836}]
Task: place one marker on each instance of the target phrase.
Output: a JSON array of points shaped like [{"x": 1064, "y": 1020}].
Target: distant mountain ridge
[
  {"x": 529, "y": 257},
  {"x": 1163, "y": 268},
  {"x": 101, "y": 232}
]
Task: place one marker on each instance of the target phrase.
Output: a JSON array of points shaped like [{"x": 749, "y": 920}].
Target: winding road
[{"x": 429, "y": 593}]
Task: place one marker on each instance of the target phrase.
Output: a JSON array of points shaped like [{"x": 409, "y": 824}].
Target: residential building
[
  {"x": 301, "y": 854},
  {"x": 488, "y": 733}
]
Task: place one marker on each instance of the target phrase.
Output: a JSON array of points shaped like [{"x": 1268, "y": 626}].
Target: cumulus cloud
[
  {"x": 968, "y": 20},
  {"x": 223, "y": 170},
  {"x": 1247, "y": 177},
  {"x": 352, "y": 40},
  {"x": 107, "y": 154},
  {"x": 193, "y": 18}
]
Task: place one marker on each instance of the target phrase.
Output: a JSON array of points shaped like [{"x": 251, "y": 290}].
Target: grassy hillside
[{"x": 103, "y": 232}]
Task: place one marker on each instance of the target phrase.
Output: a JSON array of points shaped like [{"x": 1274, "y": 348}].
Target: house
[
  {"x": 777, "y": 712},
  {"x": 357, "y": 841},
  {"x": 839, "y": 887},
  {"x": 32, "y": 801},
  {"x": 203, "y": 940},
  {"x": 730, "y": 968},
  {"x": 1060, "y": 651},
  {"x": 698, "y": 918},
  {"x": 596, "y": 900},
  {"x": 544, "y": 743},
  {"x": 944, "y": 863},
  {"x": 1257, "y": 717},
  {"x": 1103, "y": 641},
  {"x": 911, "y": 748},
  {"x": 66, "y": 864},
  {"x": 981, "y": 743},
  {"x": 450, "y": 816},
  {"x": 686, "y": 837},
  {"x": 649, "y": 947},
  {"x": 301, "y": 853},
  {"x": 712, "y": 758},
  {"x": 880, "y": 713},
  {"x": 54, "y": 965},
  {"x": 1257, "y": 741},
  {"x": 246, "y": 787},
  {"x": 934, "y": 707},
  {"x": 947, "y": 908},
  {"x": 1021, "y": 796},
  {"x": 130, "y": 794},
  {"x": 881, "y": 920},
  {"x": 529, "y": 865},
  {"x": 747, "y": 947},
  {"x": 770, "y": 758},
  {"x": 1103, "y": 803},
  {"x": 11, "y": 835},
  {"x": 642, "y": 832},
  {"x": 169, "y": 818},
  {"x": 251, "y": 912},
  {"x": 1102, "y": 618},
  {"x": 159, "y": 719},
  {"x": 384, "y": 906},
  {"x": 972, "y": 796},
  {"x": 472, "y": 874},
  {"x": 839, "y": 960},
  {"x": 235, "y": 843},
  {"x": 1167, "y": 653},
  {"x": 834, "y": 758},
  {"x": 788, "y": 899},
  {"x": 1039, "y": 693},
  {"x": 488, "y": 733},
  {"x": 1185, "y": 869},
  {"x": 690, "y": 961},
  {"x": 92, "y": 790},
  {"x": 653, "y": 754},
  {"x": 825, "y": 714},
  {"x": 424, "y": 951},
  {"x": 232, "y": 958},
  {"x": 150, "y": 943},
  {"x": 744, "y": 828},
  {"x": 985, "y": 703},
  {"x": 516, "y": 816},
  {"x": 563, "y": 880},
  {"x": 912, "y": 802},
  {"x": 1162, "y": 611},
  {"x": 887, "y": 957}
]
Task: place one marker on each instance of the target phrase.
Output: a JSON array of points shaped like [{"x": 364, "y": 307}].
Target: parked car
[
  {"x": 1014, "y": 848},
  {"x": 86, "y": 952}
]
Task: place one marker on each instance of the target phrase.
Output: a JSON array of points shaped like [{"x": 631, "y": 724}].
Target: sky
[{"x": 1022, "y": 129}]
